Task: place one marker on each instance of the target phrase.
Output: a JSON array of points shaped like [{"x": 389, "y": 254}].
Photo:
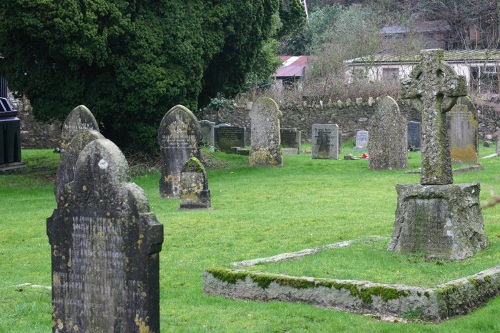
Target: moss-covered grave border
[{"x": 457, "y": 297}]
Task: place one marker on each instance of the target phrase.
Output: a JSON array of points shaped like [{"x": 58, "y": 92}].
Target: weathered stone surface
[
  {"x": 388, "y": 147},
  {"x": 414, "y": 135},
  {"x": 291, "y": 138},
  {"x": 464, "y": 141},
  {"x": 361, "y": 140},
  {"x": 265, "y": 134},
  {"x": 69, "y": 156},
  {"x": 325, "y": 141},
  {"x": 179, "y": 137},
  {"x": 227, "y": 137},
  {"x": 79, "y": 119},
  {"x": 207, "y": 132},
  {"x": 433, "y": 88},
  {"x": 441, "y": 221},
  {"x": 194, "y": 186},
  {"x": 105, "y": 246}
]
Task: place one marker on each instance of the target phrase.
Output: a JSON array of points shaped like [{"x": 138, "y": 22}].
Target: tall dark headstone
[
  {"x": 437, "y": 218},
  {"x": 66, "y": 169},
  {"x": 325, "y": 141},
  {"x": 105, "y": 246},
  {"x": 227, "y": 137},
  {"x": 179, "y": 137},
  {"x": 291, "y": 138},
  {"x": 207, "y": 132},
  {"x": 194, "y": 186},
  {"x": 265, "y": 139},
  {"x": 387, "y": 147},
  {"x": 414, "y": 135},
  {"x": 10, "y": 133}
]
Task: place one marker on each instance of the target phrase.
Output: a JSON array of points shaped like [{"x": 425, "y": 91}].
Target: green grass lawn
[{"x": 257, "y": 213}]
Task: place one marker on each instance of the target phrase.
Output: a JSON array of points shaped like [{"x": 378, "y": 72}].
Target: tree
[{"x": 129, "y": 61}]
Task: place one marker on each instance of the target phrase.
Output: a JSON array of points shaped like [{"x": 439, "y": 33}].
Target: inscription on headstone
[
  {"x": 387, "y": 147},
  {"x": 79, "y": 119},
  {"x": 227, "y": 137},
  {"x": 194, "y": 186},
  {"x": 414, "y": 136},
  {"x": 464, "y": 138},
  {"x": 179, "y": 137},
  {"x": 361, "y": 140},
  {"x": 325, "y": 141},
  {"x": 265, "y": 135},
  {"x": 291, "y": 138},
  {"x": 105, "y": 246}
]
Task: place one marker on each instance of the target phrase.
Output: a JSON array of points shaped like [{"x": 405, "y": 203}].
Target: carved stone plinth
[{"x": 439, "y": 221}]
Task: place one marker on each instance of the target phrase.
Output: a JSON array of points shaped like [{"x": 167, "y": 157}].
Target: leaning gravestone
[
  {"x": 194, "y": 186},
  {"x": 105, "y": 246},
  {"x": 414, "y": 135},
  {"x": 69, "y": 155},
  {"x": 265, "y": 134},
  {"x": 291, "y": 138},
  {"x": 325, "y": 141},
  {"x": 79, "y": 119},
  {"x": 436, "y": 217},
  {"x": 388, "y": 148},
  {"x": 207, "y": 132},
  {"x": 464, "y": 137},
  {"x": 179, "y": 137},
  {"x": 227, "y": 137},
  {"x": 361, "y": 141}
]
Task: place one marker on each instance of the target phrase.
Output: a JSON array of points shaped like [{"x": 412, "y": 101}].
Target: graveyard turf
[{"x": 257, "y": 213}]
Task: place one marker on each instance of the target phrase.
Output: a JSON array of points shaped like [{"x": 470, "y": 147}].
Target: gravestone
[
  {"x": 437, "y": 218},
  {"x": 227, "y": 137},
  {"x": 325, "y": 141},
  {"x": 194, "y": 186},
  {"x": 207, "y": 132},
  {"x": 414, "y": 136},
  {"x": 105, "y": 246},
  {"x": 179, "y": 137},
  {"x": 361, "y": 141},
  {"x": 291, "y": 138},
  {"x": 79, "y": 119},
  {"x": 10, "y": 133},
  {"x": 265, "y": 134},
  {"x": 464, "y": 137},
  {"x": 69, "y": 156},
  {"x": 387, "y": 147}
]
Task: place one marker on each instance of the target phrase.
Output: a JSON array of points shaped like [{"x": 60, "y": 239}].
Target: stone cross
[{"x": 433, "y": 87}]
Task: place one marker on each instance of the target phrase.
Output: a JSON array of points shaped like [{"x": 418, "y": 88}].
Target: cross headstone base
[{"x": 438, "y": 221}]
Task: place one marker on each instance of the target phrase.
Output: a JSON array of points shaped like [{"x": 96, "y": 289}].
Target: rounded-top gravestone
[
  {"x": 179, "y": 137},
  {"x": 79, "y": 119}
]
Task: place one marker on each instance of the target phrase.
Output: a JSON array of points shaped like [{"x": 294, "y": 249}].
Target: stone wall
[{"x": 350, "y": 116}]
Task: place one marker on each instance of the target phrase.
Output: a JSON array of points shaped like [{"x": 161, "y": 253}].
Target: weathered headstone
[
  {"x": 325, "y": 141},
  {"x": 291, "y": 138},
  {"x": 69, "y": 155},
  {"x": 265, "y": 135},
  {"x": 464, "y": 137},
  {"x": 388, "y": 148},
  {"x": 361, "y": 141},
  {"x": 207, "y": 132},
  {"x": 227, "y": 137},
  {"x": 194, "y": 186},
  {"x": 437, "y": 218},
  {"x": 79, "y": 119},
  {"x": 414, "y": 135},
  {"x": 105, "y": 246},
  {"x": 179, "y": 137}
]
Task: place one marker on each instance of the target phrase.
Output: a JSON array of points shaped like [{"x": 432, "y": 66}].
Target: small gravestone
[
  {"x": 194, "y": 186},
  {"x": 79, "y": 119},
  {"x": 325, "y": 141},
  {"x": 414, "y": 136},
  {"x": 69, "y": 155},
  {"x": 291, "y": 138},
  {"x": 436, "y": 217},
  {"x": 464, "y": 137},
  {"x": 361, "y": 141},
  {"x": 265, "y": 135},
  {"x": 179, "y": 137},
  {"x": 387, "y": 147},
  {"x": 227, "y": 137},
  {"x": 105, "y": 246},
  {"x": 10, "y": 134},
  {"x": 207, "y": 132}
]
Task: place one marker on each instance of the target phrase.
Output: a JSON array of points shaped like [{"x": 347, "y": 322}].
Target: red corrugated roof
[{"x": 293, "y": 66}]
